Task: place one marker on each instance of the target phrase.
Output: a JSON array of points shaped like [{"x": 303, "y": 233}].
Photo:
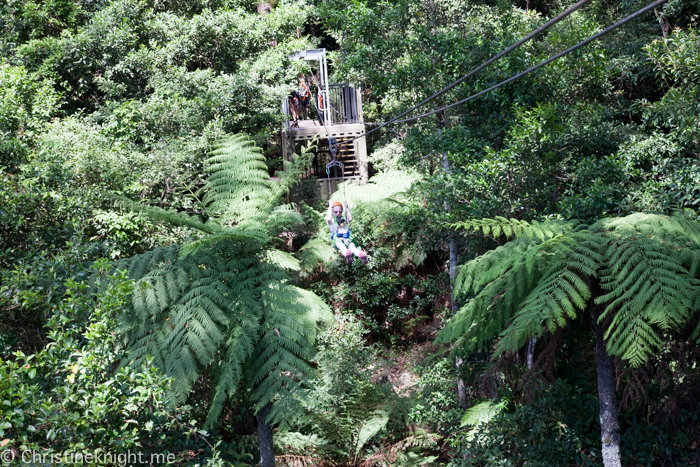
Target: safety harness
[{"x": 340, "y": 231}]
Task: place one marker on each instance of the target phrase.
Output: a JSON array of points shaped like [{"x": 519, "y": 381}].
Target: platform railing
[
  {"x": 343, "y": 100},
  {"x": 345, "y": 104}
]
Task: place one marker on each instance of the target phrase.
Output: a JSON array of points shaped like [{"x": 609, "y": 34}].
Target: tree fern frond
[
  {"x": 239, "y": 188},
  {"x": 239, "y": 346},
  {"x": 179, "y": 219},
  {"x": 315, "y": 312},
  {"x": 235, "y": 235},
  {"x": 383, "y": 189},
  {"x": 647, "y": 286},
  {"x": 283, "y": 260},
  {"x": 315, "y": 253},
  {"x": 481, "y": 413},
  {"x": 546, "y": 308},
  {"x": 281, "y": 355},
  {"x": 238, "y": 185},
  {"x": 513, "y": 228},
  {"x": 282, "y": 216},
  {"x": 524, "y": 257},
  {"x": 462, "y": 326}
]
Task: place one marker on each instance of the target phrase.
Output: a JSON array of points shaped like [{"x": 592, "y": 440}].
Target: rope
[
  {"x": 344, "y": 197},
  {"x": 328, "y": 172}
]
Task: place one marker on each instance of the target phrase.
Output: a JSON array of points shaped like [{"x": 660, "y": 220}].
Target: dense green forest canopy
[{"x": 533, "y": 288}]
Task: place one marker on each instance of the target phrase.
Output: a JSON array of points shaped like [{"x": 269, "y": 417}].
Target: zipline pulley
[{"x": 333, "y": 148}]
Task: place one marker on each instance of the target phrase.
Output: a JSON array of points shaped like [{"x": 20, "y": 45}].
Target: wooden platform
[
  {"x": 308, "y": 129},
  {"x": 305, "y": 124},
  {"x": 353, "y": 154}
]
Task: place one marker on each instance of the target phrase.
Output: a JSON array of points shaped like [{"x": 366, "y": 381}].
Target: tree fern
[
  {"x": 539, "y": 279},
  {"x": 315, "y": 253},
  {"x": 514, "y": 281},
  {"x": 238, "y": 188},
  {"x": 479, "y": 415},
  {"x": 650, "y": 289},
  {"x": 513, "y": 228},
  {"x": 222, "y": 303},
  {"x": 644, "y": 268}
]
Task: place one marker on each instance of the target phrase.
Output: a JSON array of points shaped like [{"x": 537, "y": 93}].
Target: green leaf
[
  {"x": 481, "y": 413},
  {"x": 283, "y": 260},
  {"x": 370, "y": 428}
]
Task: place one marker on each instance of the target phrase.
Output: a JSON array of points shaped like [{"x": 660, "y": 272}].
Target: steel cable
[{"x": 519, "y": 75}]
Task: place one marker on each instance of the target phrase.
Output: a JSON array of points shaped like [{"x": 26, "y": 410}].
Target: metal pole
[
  {"x": 326, "y": 94},
  {"x": 360, "y": 116}
]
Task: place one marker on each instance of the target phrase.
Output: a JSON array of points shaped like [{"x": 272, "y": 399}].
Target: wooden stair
[{"x": 346, "y": 155}]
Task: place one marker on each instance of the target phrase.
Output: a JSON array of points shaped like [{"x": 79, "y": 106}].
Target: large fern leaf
[
  {"x": 647, "y": 264},
  {"x": 220, "y": 305},
  {"x": 239, "y": 188},
  {"x": 519, "y": 279},
  {"x": 281, "y": 355},
  {"x": 514, "y": 228},
  {"x": 650, "y": 290}
]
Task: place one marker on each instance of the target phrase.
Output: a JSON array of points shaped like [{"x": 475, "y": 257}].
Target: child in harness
[{"x": 341, "y": 238}]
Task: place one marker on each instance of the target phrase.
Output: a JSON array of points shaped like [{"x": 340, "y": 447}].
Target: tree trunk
[
  {"x": 454, "y": 258},
  {"x": 461, "y": 387},
  {"x": 264, "y": 8},
  {"x": 531, "y": 352},
  {"x": 453, "y": 266},
  {"x": 609, "y": 424},
  {"x": 452, "y": 242},
  {"x": 267, "y": 455}
]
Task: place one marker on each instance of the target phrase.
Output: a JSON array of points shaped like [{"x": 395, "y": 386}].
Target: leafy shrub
[
  {"x": 560, "y": 428},
  {"x": 675, "y": 60},
  {"x": 33, "y": 217},
  {"x": 652, "y": 444},
  {"x": 26, "y": 103},
  {"x": 392, "y": 305},
  {"x": 349, "y": 418},
  {"x": 436, "y": 407},
  {"x": 73, "y": 396},
  {"x": 344, "y": 410}
]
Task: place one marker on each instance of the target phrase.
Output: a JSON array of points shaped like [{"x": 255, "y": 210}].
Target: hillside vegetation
[{"x": 533, "y": 285}]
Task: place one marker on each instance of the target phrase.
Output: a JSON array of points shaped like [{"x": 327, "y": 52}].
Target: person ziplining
[{"x": 341, "y": 237}]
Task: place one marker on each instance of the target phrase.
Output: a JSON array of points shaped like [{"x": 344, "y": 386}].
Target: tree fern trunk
[
  {"x": 267, "y": 455},
  {"x": 609, "y": 424}
]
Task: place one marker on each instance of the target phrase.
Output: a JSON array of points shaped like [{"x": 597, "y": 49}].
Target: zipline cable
[
  {"x": 543, "y": 63},
  {"x": 476, "y": 70},
  {"x": 529, "y": 70}
]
